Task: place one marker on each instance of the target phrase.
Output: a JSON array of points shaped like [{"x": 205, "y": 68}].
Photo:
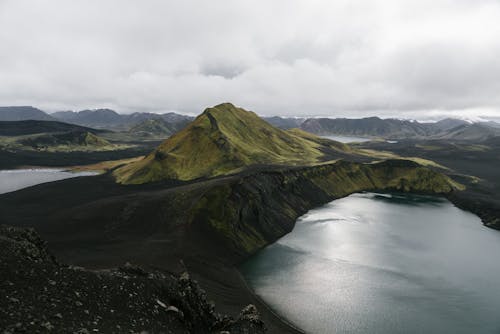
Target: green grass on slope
[
  {"x": 271, "y": 199},
  {"x": 71, "y": 141},
  {"x": 224, "y": 139}
]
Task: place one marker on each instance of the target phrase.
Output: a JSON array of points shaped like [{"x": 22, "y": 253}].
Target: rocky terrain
[
  {"x": 40, "y": 295},
  {"x": 211, "y": 225},
  {"x": 203, "y": 201}
]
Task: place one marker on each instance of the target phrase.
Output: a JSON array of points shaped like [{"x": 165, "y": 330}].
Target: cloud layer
[{"x": 413, "y": 58}]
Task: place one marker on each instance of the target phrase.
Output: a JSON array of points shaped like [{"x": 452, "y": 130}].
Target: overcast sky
[{"x": 401, "y": 58}]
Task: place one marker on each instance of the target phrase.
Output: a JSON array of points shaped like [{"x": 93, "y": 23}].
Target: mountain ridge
[
  {"x": 107, "y": 118},
  {"x": 224, "y": 139},
  {"x": 21, "y": 113}
]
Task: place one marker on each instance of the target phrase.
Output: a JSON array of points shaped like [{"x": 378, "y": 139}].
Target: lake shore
[{"x": 99, "y": 200}]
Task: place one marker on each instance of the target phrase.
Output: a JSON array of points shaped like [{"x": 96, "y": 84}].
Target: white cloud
[{"x": 345, "y": 57}]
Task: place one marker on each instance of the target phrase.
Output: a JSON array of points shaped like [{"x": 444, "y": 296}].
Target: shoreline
[
  {"x": 212, "y": 261},
  {"x": 263, "y": 305}
]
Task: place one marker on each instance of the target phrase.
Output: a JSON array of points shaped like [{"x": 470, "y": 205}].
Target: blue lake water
[
  {"x": 11, "y": 180},
  {"x": 379, "y": 263}
]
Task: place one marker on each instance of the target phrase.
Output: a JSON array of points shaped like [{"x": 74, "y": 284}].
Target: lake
[
  {"x": 383, "y": 263},
  {"x": 11, "y": 180}
]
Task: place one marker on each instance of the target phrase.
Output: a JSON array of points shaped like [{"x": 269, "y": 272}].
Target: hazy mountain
[
  {"x": 99, "y": 118},
  {"x": 224, "y": 139},
  {"x": 110, "y": 119},
  {"x": 284, "y": 122},
  {"x": 491, "y": 124},
  {"x": 23, "y": 113},
  {"x": 448, "y": 128},
  {"x": 448, "y": 124},
  {"x": 473, "y": 132},
  {"x": 365, "y": 127}
]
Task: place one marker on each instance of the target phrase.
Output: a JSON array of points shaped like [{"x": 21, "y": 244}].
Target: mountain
[
  {"x": 448, "y": 128},
  {"x": 71, "y": 141},
  {"x": 110, "y": 119},
  {"x": 472, "y": 132},
  {"x": 491, "y": 124},
  {"x": 21, "y": 128},
  {"x": 23, "y": 113},
  {"x": 153, "y": 128},
  {"x": 448, "y": 124},
  {"x": 365, "y": 127},
  {"x": 284, "y": 122},
  {"x": 225, "y": 139},
  {"x": 51, "y": 136},
  {"x": 99, "y": 118}
]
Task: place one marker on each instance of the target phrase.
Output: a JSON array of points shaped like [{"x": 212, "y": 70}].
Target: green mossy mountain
[
  {"x": 66, "y": 141},
  {"x": 225, "y": 139},
  {"x": 154, "y": 128}
]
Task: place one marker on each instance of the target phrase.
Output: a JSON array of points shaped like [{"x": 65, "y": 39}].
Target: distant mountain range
[
  {"x": 375, "y": 127},
  {"x": 110, "y": 119},
  {"x": 23, "y": 113},
  {"x": 149, "y": 125}
]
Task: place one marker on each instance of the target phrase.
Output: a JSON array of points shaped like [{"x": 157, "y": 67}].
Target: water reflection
[{"x": 383, "y": 263}]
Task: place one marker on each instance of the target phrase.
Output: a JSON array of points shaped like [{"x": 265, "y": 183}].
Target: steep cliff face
[
  {"x": 249, "y": 213},
  {"x": 224, "y": 218},
  {"x": 210, "y": 225}
]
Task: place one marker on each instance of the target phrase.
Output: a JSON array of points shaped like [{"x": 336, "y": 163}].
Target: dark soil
[{"x": 39, "y": 295}]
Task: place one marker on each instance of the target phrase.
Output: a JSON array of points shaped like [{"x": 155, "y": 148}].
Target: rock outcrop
[
  {"x": 40, "y": 295},
  {"x": 255, "y": 210}
]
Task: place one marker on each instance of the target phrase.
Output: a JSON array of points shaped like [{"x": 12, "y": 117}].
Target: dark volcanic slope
[
  {"x": 9, "y": 160},
  {"x": 40, "y": 295},
  {"x": 226, "y": 218},
  {"x": 210, "y": 225},
  {"x": 21, "y": 128}
]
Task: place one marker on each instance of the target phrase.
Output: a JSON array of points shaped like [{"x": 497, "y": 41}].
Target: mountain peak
[{"x": 223, "y": 139}]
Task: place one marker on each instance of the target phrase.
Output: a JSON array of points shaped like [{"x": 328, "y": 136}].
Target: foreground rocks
[{"x": 39, "y": 295}]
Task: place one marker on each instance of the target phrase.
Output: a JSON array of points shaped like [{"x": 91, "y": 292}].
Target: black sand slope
[
  {"x": 41, "y": 295},
  {"x": 207, "y": 227}
]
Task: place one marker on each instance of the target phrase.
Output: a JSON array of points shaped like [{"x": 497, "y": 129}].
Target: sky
[{"x": 419, "y": 59}]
